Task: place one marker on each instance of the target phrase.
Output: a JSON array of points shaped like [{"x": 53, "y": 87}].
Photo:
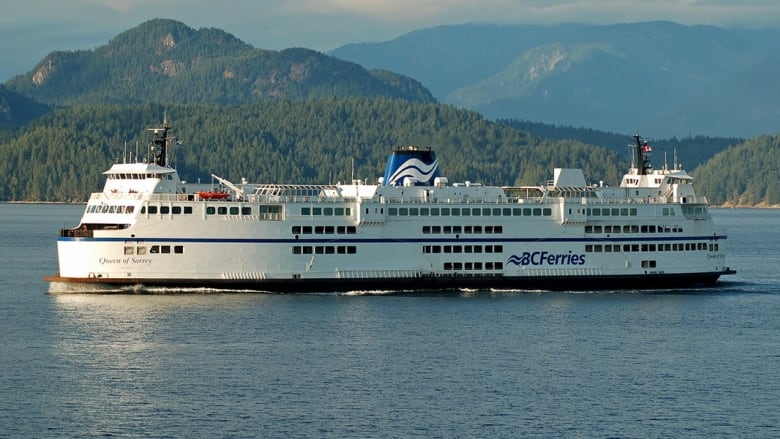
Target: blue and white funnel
[{"x": 410, "y": 166}]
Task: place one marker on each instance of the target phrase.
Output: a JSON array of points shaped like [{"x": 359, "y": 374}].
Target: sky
[{"x": 30, "y": 29}]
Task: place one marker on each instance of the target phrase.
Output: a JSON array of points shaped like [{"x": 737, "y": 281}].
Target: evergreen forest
[{"x": 60, "y": 157}]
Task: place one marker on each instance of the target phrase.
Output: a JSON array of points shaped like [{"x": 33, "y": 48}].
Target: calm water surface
[{"x": 687, "y": 363}]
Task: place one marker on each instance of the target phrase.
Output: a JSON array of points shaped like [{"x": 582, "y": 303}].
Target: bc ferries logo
[
  {"x": 538, "y": 258},
  {"x": 415, "y": 169}
]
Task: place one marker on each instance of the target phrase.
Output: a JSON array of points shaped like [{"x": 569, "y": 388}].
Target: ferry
[{"x": 413, "y": 230}]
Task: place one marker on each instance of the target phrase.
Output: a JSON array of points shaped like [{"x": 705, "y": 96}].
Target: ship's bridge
[{"x": 141, "y": 178}]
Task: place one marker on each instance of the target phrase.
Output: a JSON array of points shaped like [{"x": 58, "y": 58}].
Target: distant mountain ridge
[
  {"x": 166, "y": 61},
  {"x": 654, "y": 77}
]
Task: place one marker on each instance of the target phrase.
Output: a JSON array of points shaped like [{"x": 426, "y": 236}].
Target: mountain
[
  {"x": 622, "y": 77},
  {"x": 166, "y": 61}
]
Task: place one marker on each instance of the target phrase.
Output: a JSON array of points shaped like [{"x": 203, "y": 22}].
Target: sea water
[{"x": 672, "y": 363}]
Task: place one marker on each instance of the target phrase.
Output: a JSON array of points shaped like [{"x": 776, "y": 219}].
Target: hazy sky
[{"x": 30, "y": 29}]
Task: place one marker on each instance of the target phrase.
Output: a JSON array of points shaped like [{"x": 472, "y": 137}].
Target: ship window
[
  {"x": 154, "y": 249},
  {"x": 456, "y": 229},
  {"x": 210, "y": 210},
  {"x": 339, "y": 211},
  {"x": 176, "y": 210},
  {"x": 414, "y": 211},
  {"x": 426, "y": 230},
  {"x": 478, "y": 265},
  {"x": 329, "y": 250},
  {"x": 222, "y": 210},
  {"x": 447, "y": 249},
  {"x": 424, "y": 211},
  {"x": 403, "y": 211},
  {"x": 165, "y": 249},
  {"x": 477, "y": 229},
  {"x": 152, "y": 209},
  {"x": 498, "y": 249},
  {"x": 447, "y": 229},
  {"x": 165, "y": 210},
  {"x": 305, "y": 210},
  {"x": 327, "y": 211},
  {"x": 392, "y": 211},
  {"x": 296, "y": 230},
  {"x": 507, "y": 211},
  {"x": 467, "y": 229},
  {"x": 632, "y": 211},
  {"x": 455, "y": 211},
  {"x": 615, "y": 211},
  {"x": 469, "y": 265},
  {"x": 588, "y": 229},
  {"x": 246, "y": 210},
  {"x": 129, "y": 250},
  {"x": 457, "y": 266},
  {"x": 320, "y": 250},
  {"x": 465, "y": 211},
  {"x": 468, "y": 249},
  {"x": 351, "y": 249},
  {"x": 477, "y": 249},
  {"x": 596, "y": 229},
  {"x": 488, "y": 265},
  {"x": 445, "y": 211},
  {"x": 448, "y": 265},
  {"x": 319, "y": 230},
  {"x": 234, "y": 210},
  {"x": 487, "y": 211},
  {"x": 436, "y": 229},
  {"x": 296, "y": 250},
  {"x": 307, "y": 250},
  {"x": 140, "y": 250},
  {"x": 329, "y": 230},
  {"x": 597, "y": 248},
  {"x": 351, "y": 230},
  {"x": 307, "y": 230},
  {"x": 648, "y": 264},
  {"x": 496, "y": 211},
  {"x": 589, "y": 248},
  {"x": 434, "y": 211},
  {"x": 178, "y": 249},
  {"x": 317, "y": 211}
]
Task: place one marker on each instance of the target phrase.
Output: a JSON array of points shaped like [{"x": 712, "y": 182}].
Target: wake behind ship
[{"x": 414, "y": 230}]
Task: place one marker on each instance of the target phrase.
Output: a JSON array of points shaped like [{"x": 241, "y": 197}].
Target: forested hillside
[
  {"x": 61, "y": 156},
  {"x": 746, "y": 175},
  {"x": 167, "y": 61},
  {"x": 16, "y": 110},
  {"x": 691, "y": 151}
]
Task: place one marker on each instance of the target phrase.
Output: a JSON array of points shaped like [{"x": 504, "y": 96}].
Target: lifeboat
[{"x": 208, "y": 195}]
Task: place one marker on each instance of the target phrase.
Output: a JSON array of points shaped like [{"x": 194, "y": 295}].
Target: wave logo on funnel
[{"x": 414, "y": 169}]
